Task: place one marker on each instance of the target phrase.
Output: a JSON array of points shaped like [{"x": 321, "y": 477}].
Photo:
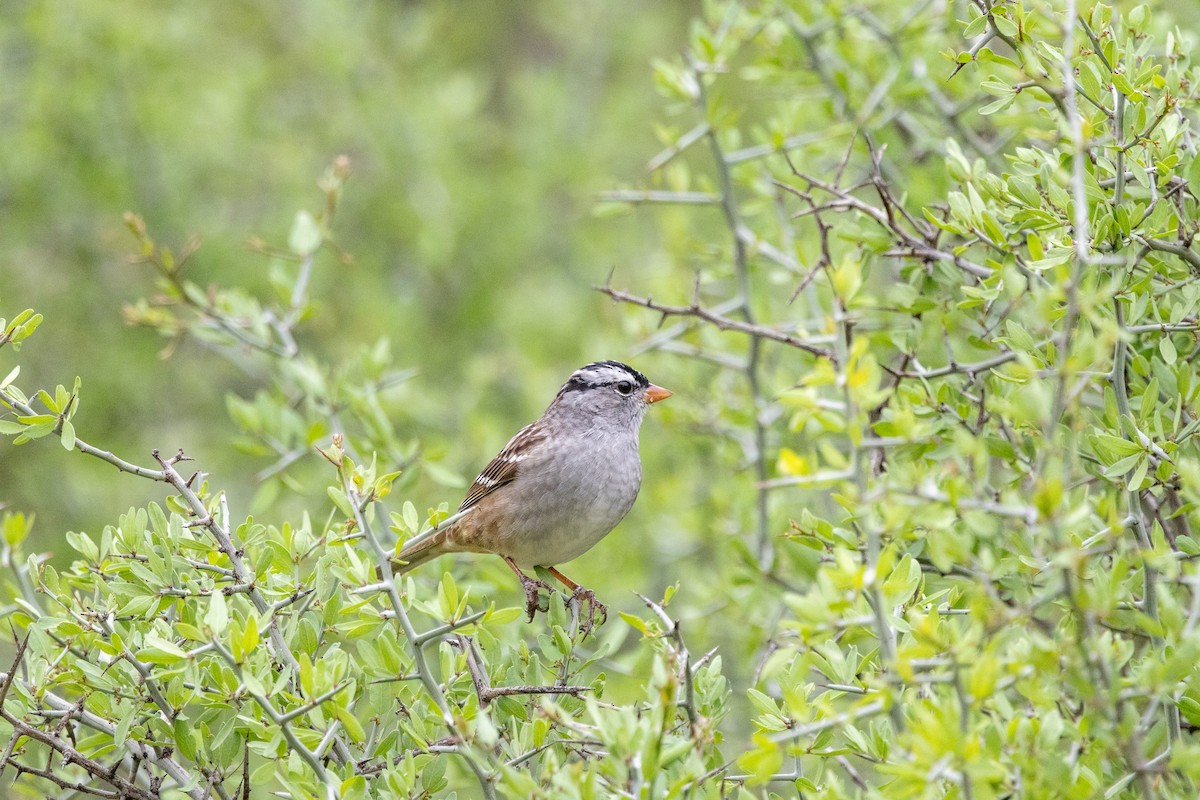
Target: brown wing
[{"x": 503, "y": 468}]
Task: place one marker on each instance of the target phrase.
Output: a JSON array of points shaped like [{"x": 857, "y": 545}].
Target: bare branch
[
  {"x": 1174, "y": 248},
  {"x": 636, "y": 197},
  {"x": 483, "y": 685},
  {"x": 722, "y": 322}
]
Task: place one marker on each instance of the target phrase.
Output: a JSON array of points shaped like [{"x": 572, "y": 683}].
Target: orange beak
[{"x": 655, "y": 393}]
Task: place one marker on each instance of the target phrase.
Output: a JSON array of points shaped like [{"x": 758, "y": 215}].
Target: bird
[{"x": 559, "y": 486}]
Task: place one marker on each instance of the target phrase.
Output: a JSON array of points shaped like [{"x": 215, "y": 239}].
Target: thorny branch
[
  {"x": 914, "y": 238},
  {"x": 753, "y": 367},
  {"x": 682, "y": 657},
  {"x": 725, "y": 323},
  {"x": 387, "y": 584},
  {"x": 217, "y": 526},
  {"x": 124, "y": 787},
  {"x": 483, "y": 685}
]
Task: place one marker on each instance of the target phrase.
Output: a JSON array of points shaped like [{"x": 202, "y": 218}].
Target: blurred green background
[{"x": 480, "y": 135}]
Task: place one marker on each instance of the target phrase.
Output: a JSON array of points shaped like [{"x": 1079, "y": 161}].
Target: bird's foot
[
  {"x": 532, "y": 587},
  {"x": 533, "y": 598},
  {"x": 587, "y": 622}
]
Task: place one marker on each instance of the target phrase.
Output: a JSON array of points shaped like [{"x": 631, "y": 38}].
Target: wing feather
[{"x": 502, "y": 470}]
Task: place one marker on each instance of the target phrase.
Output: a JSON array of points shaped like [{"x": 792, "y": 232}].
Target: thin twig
[
  {"x": 720, "y": 321},
  {"x": 483, "y": 685}
]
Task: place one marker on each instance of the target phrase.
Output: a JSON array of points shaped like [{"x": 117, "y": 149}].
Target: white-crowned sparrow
[{"x": 558, "y": 486}]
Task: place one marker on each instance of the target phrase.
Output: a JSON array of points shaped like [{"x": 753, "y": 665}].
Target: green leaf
[
  {"x": 1139, "y": 475},
  {"x": 412, "y": 522},
  {"x": 121, "y": 730},
  {"x": 1192, "y": 174},
  {"x": 1187, "y": 545},
  {"x": 998, "y": 105},
  {"x": 976, "y": 26},
  {"x": 1167, "y": 348},
  {"x": 1091, "y": 80},
  {"x": 305, "y": 236},
  {"x": 989, "y": 55},
  {"x": 1190, "y": 709},
  {"x": 1123, "y": 85},
  {"x": 1123, "y": 465},
  {"x": 355, "y": 787},
  {"x": 157, "y": 650},
  {"x": 1019, "y": 338},
  {"x": 341, "y": 501},
  {"x": 250, "y": 636},
  {"x": 48, "y": 401},
  {"x": 68, "y": 435},
  {"x": 186, "y": 738},
  {"x": 1110, "y": 447},
  {"x": 503, "y": 616},
  {"x": 217, "y": 616},
  {"x": 1005, "y": 25},
  {"x": 447, "y": 593},
  {"x": 353, "y": 726},
  {"x": 190, "y": 632},
  {"x": 15, "y": 528},
  {"x": 763, "y": 760},
  {"x": 763, "y": 703},
  {"x": 903, "y": 581},
  {"x": 252, "y": 683}
]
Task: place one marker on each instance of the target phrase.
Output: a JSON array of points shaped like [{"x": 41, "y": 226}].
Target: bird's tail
[{"x": 417, "y": 553}]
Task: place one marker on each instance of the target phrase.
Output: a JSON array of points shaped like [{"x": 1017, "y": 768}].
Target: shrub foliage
[{"x": 936, "y": 271}]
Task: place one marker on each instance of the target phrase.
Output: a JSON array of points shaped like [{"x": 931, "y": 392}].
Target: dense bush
[{"x": 935, "y": 292}]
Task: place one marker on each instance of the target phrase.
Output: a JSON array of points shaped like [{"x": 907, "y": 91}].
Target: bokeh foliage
[
  {"x": 478, "y": 150},
  {"x": 931, "y": 485}
]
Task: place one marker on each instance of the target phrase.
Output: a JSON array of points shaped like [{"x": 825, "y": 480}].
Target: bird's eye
[{"x": 625, "y": 388}]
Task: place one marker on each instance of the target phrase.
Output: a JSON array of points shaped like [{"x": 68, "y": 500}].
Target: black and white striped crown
[{"x": 603, "y": 373}]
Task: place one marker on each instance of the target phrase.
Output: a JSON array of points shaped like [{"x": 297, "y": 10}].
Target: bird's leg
[
  {"x": 531, "y": 587},
  {"x": 581, "y": 596}
]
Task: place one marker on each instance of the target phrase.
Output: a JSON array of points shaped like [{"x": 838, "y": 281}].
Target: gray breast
[{"x": 576, "y": 492}]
